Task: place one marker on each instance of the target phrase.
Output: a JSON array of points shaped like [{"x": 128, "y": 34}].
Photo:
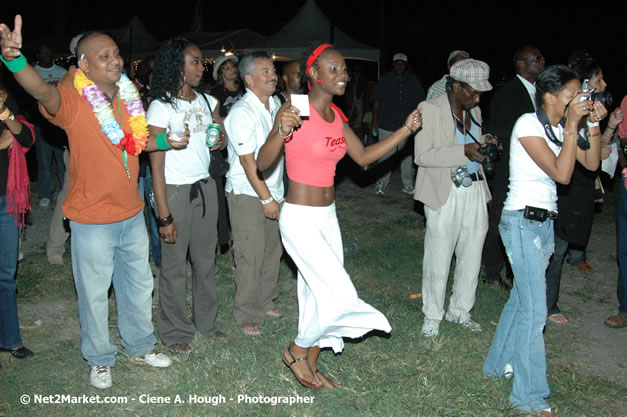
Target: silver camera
[
  {"x": 461, "y": 177},
  {"x": 585, "y": 89}
]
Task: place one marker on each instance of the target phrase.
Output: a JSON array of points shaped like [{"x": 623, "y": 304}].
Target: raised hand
[{"x": 11, "y": 40}]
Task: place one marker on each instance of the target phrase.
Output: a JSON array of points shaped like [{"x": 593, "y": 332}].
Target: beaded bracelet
[
  {"x": 16, "y": 64},
  {"x": 409, "y": 128},
  {"x": 162, "y": 143},
  {"x": 165, "y": 221}
]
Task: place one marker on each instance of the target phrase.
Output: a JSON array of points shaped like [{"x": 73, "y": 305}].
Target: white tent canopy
[{"x": 308, "y": 25}]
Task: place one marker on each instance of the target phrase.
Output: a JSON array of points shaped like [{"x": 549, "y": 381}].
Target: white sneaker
[
  {"x": 100, "y": 376},
  {"x": 508, "y": 371},
  {"x": 158, "y": 360},
  {"x": 431, "y": 328},
  {"x": 469, "y": 323}
]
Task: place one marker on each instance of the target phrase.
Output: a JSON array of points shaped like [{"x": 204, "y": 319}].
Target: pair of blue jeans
[
  {"x": 621, "y": 236},
  {"x": 116, "y": 253},
  {"x": 519, "y": 340},
  {"x": 9, "y": 238}
]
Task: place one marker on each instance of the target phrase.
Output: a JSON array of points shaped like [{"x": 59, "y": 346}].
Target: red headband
[{"x": 314, "y": 55}]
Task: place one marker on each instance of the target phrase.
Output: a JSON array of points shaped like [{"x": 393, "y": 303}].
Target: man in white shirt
[{"x": 254, "y": 197}]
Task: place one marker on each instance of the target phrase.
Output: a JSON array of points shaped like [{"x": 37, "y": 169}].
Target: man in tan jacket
[{"x": 451, "y": 184}]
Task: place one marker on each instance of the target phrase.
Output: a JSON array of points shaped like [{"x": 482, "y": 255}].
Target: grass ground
[{"x": 402, "y": 374}]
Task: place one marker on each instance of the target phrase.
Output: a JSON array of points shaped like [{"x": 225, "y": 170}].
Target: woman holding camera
[
  {"x": 329, "y": 307},
  {"x": 542, "y": 152}
]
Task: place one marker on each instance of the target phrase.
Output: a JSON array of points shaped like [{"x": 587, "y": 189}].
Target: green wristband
[
  {"x": 162, "y": 143},
  {"x": 16, "y": 64}
]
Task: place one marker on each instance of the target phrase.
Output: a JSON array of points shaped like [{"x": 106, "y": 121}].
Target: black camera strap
[{"x": 582, "y": 141}]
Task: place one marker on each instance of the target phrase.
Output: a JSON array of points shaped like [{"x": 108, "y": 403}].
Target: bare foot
[
  {"x": 329, "y": 383},
  {"x": 251, "y": 329},
  {"x": 274, "y": 314},
  {"x": 295, "y": 358}
]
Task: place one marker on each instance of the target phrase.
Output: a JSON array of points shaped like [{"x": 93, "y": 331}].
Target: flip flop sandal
[
  {"x": 558, "y": 318},
  {"x": 20, "y": 353},
  {"x": 180, "y": 348},
  {"x": 294, "y": 360}
]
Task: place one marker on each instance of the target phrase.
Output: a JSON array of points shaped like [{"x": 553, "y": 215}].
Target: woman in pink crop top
[{"x": 329, "y": 308}]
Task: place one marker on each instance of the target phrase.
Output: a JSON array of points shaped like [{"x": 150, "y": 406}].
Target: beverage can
[{"x": 213, "y": 135}]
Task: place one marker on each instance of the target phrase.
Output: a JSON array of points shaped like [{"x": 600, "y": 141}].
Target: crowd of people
[{"x": 250, "y": 143}]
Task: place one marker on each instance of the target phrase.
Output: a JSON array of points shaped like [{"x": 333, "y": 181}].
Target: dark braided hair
[{"x": 167, "y": 76}]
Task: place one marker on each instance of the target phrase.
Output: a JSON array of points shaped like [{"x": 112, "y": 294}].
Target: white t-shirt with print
[{"x": 188, "y": 165}]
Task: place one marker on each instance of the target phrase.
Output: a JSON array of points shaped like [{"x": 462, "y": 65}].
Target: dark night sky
[{"x": 426, "y": 33}]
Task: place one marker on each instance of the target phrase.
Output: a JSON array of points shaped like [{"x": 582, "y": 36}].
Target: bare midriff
[{"x": 310, "y": 195}]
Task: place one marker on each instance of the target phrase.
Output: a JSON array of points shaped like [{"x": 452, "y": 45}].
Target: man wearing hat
[
  {"x": 438, "y": 88},
  {"x": 456, "y": 211},
  {"x": 397, "y": 93}
]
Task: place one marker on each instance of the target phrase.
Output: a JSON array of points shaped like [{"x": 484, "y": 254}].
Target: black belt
[
  {"x": 476, "y": 176},
  {"x": 195, "y": 190}
]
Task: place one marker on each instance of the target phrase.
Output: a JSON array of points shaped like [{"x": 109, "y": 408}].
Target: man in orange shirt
[{"x": 109, "y": 239}]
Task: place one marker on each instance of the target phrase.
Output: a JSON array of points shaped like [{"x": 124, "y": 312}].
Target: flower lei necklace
[{"x": 133, "y": 143}]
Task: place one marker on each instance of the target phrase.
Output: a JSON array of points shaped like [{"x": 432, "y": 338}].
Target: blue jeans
[
  {"x": 519, "y": 340},
  {"x": 118, "y": 253},
  {"x": 9, "y": 326},
  {"x": 45, "y": 153},
  {"x": 145, "y": 189},
  {"x": 621, "y": 232},
  {"x": 576, "y": 256}
]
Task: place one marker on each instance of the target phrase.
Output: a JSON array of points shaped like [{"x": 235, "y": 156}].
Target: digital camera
[
  {"x": 461, "y": 177},
  {"x": 491, "y": 152}
]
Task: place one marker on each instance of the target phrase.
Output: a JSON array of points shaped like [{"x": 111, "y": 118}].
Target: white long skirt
[{"x": 329, "y": 308}]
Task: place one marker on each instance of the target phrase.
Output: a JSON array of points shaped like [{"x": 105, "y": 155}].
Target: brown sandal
[{"x": 290, "y": 365}]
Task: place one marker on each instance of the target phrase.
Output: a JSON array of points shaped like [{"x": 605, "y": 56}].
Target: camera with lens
[
  {"x": 491, "y": 153},
  {"x": 461, "y": 177},
  {"x": 604, "y": 97}
]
